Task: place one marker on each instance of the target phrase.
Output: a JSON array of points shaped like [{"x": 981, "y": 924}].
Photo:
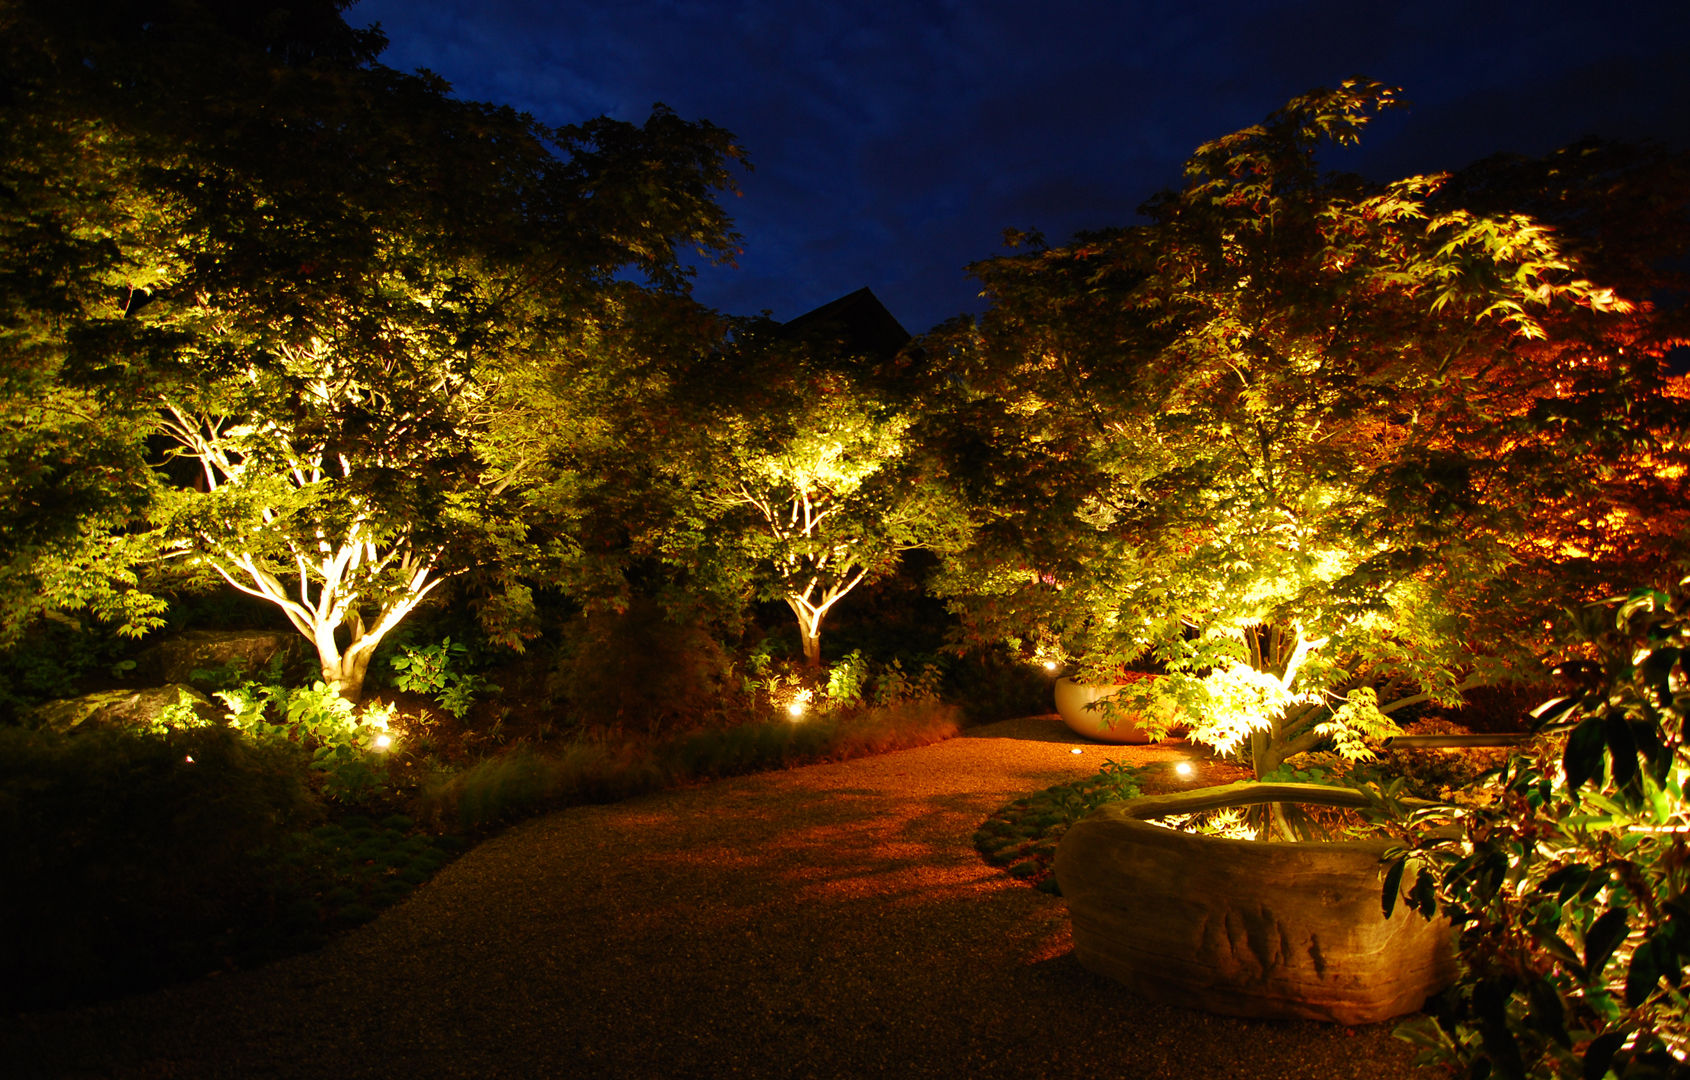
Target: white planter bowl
[{"x": 1071, "y": 701}]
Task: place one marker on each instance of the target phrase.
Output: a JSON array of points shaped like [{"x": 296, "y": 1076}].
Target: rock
[
  {"x": 176, "y": 658},
  {"x": 122, "y": 708},
  {"x": 1245, "y": 928}
]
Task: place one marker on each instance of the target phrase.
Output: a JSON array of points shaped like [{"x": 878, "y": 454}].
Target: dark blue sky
[{"x": 893, "y": 142}]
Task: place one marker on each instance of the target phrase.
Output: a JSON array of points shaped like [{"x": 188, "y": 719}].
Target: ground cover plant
[{"x": 1021, "y": 837}]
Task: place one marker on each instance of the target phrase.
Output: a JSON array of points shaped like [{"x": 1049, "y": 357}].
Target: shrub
[
  {"x": 125, "y": 852},
  {"x": 56, "y": 659},
  {"x": 343, "y": 742},
  {"x": 642, "y": 672},
  {"x": 1022, "y": 836},
  {"x": 780, "y": 743},
  {"x": 1568, "y": 877},
  {"x": 992, "y": 684},
  {"x": 522, "y": 782},
  {"x": 437, "y": 670}
]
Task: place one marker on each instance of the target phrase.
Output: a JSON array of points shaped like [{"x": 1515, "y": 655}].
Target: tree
[
  {"x": 323, "y": 283},
  {"x": 1304, "y": 424},
  {"x": 801, "y": 475}
]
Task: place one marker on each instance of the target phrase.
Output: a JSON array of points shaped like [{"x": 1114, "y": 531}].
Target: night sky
[{"x": 893, "y": 142}]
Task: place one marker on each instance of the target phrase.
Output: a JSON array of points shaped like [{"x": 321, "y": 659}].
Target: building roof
[{"x": 858, "y": 321}]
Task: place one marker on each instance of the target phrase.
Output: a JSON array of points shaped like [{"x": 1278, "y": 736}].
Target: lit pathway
[{"x": 831, "y": 921}]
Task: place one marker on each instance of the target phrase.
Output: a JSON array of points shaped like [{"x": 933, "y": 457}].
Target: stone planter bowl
[
  {"x": 1071, "y": 701},
  {"x": 1241, "y": 927}
]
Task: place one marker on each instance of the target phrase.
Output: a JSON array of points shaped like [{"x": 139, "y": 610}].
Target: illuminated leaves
[
  {"x": 329, "y": 286},
  {"x": 811, "y": 480},
  {"x": 1569, "y": 892},
  {"x": 1300, "y": 407}
]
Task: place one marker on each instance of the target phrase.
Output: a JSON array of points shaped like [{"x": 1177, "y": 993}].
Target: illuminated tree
[
  {"x": 326, "y": 284},
  {"x": 1305, "y": 427},
  {"x": 802, "y": 475}
]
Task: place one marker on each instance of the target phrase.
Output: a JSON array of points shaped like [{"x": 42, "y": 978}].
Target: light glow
[
  {"x": 1183, "y": 768},
  {"x": 383, "y": 741}
]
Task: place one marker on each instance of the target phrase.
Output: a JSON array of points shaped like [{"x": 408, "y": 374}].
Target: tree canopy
[
  {"x": 1320, "y": 445},
  {"x": 321, "y": 281},
  {"x": 795, "y": 464}
]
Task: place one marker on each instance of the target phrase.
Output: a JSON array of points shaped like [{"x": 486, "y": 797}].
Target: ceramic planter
[{"x": 1071, "y": 701}]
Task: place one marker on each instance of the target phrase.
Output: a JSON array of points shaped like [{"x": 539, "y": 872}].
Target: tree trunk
[
  {"x": 344, "y": 672},
  {"x": 809, "y": 632},
  {"x": 1267, "y": 753}
]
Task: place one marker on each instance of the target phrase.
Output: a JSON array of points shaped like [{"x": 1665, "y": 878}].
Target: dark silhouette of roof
[{"x": 858, "y": 321}]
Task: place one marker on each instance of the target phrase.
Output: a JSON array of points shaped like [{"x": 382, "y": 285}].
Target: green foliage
[
  {"x": 54, "y": 658},
  {"x": 642, "y": 671},
  {"x": 1318, "y": 449},
  {"x": 1022, "y": 836},
  {"x": 344, "y": 742},
  {"x": 894, "y": 685},
  {"x": 182, "y": 714},
  {"x": 436, "y": 670},
  {"x": 783, "y": 742},
  {"x": 847, "y": 678},
  {"x": 331, "y": 292},
  {"x": 127, "y": 854},
  {"x": 1568, "y": 875},
  {"x": 796, "y": 475},
  {"x": 524, "y": 781}
]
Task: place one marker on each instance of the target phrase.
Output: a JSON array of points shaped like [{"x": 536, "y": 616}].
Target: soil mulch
[{"x": 827, "y": 921}]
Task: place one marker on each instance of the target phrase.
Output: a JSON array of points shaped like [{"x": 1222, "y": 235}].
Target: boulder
[
  {"x": 176, "y": 658},
  {"x": 122, "y": 708},
  {"x": 1241, "y": 927}
]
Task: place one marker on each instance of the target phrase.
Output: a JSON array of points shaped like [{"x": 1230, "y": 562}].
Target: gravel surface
[{"x": 829, "y": 921}]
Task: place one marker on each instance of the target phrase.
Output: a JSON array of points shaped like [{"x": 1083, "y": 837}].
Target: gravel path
[{"x": 830, "y": 921}]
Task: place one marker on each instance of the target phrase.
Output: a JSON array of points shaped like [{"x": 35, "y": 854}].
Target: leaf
[
  {"x": 1548, "y": 1015},
  {"x": 1600, "y": 941},
  {"x": 1583, "y": 757},
  {"x": 1564, "y": 882},
  {"x": 1622, "y": 748},
  {"x": 1393, "y": 884},
  {"x": 1424, "y": 897},
  {"x": 1654, "y": 959},
  {"x": 1562, "y": 952},
  {"x": 1600, "y": 1054},
  {"x": 1503, "y": 1050}
]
